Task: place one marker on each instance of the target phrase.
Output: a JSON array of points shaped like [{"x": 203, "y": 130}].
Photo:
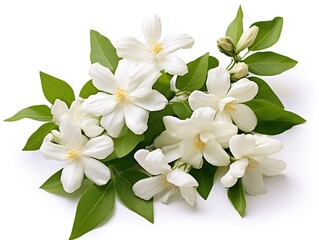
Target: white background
[{"x": 53, "y": 36}]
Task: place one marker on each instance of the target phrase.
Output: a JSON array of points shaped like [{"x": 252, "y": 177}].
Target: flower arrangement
[{"x": 148, "y": 124}]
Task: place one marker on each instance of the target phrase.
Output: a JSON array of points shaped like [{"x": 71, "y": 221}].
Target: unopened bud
[
  {"x": 226, "y": 46},
  {"x": 247, "y": 38},
  {"x": 239, "y": 71}
]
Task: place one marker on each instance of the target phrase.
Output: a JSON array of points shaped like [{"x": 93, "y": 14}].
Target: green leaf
[
  {"x": 237, "y": 197},
  {"x": 123, "y": 184},
  {"x": 53, "y": 184},
  {"x": 182, "y": 109},
  {"x": 271, "y": 118},
  {"x": 235, "y": 28},
  {"x": 35, "y": 140},
  {"x": 265, "y": 92},
  {"x": 205, "y": 178},
  {"x": 94, "y": 207},
  {"x": 155, "y": 124},
  {"x": 54, "y": 88},
  {"x": 126, "y": 142},
  {"x": 196, "y": 76},
  {"x": 102, "y": 51},
  {"x": 268, "y": 34},
  {"x": 163, "y": 85},
  {"x": 125, "y": 162},
  {"x": 212, "y": 62},
  {"x": 37, "y": 112},
  {"x": 268, "y": 63},
  {"x": 88, "y": 89}
]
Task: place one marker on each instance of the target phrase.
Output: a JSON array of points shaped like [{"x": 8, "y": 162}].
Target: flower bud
[
  {"x": 239, "y": 71},
  {"x": 247, "y": 38},
  {"x": 226, "y": 46}
]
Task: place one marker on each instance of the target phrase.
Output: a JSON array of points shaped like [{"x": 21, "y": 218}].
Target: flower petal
[
  {"x": 175, "y": 42},
  {"x": 172, "y": 65},
  {"x": 215, "y": 154},
  {"x": 238, "y": 168},
  {"x": 190, "y": 154},
  {"x": 132, "y": 49},
  {"x": 114, "y": 122},
  {"x": 98, "y": 147},
  {"x": 228, "y": 180},
  {"x": 198, "y": 99},
  {"x": 102, "y": 78},
  {"x": 189, "y": 194},
  {"x": 223, "y": 132},
  {"x": 96, "y": 171},
  {"x": 172, "y": 152},
  {"x": 99, "y": 104},
  {"x": 179, "y": 129},
  {"x": 202, "y": 118},
  {"x": 243, "y": 90},
  {"x": 122, "y": 72},
  {"x": 153, "y": 162},
  {"x": 218, "y": 82},
  {"x": 253, "y": 181},
  {"x": 135, "y": 118},
  {"x": 58, "y": 109},
  {"x": 154, "y": 101},
  {"x": 72, "y": 176},
  {"x": 266, "y": 146},
  {"x": 242, "y": 145},
  {"x": 149, "y": 187},
  {"x": 271, "y": 167},
  {"x": 244, "y": 118},
  {"x": 52, "y": 151},
  {"x": 152, "y": 29},
  {"x": 181, "y": 179},
  {"x": 91, "y": 127},
  {"x": 170, "y": 192},
  {"x": 223, "y": 116}
]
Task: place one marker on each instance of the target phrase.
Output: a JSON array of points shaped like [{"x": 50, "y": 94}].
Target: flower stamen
[
  {"x": 120, "y": 95},
  {"x": 157, "y": 48},
  {"x": 199, "y": 144},
  {"x": 252, "y": 163},
  {"x": 73, "y": 155},
  {"x": 231, "y": 106}
]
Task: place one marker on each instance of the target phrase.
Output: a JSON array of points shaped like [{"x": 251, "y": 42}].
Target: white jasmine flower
[
  {"x": 126, "y": 97},
  {"x": 247, "y": 38},
  {"x": 156, "y": 51},
  {"x": 252, "y": 162},
  {"x": 197, "y": 137},
  {"x": 166, "y": 181},
  {"x": 87, "y": 122},
  {"x": 227, "y": 99},
  {"x": 81, "y": 154}
]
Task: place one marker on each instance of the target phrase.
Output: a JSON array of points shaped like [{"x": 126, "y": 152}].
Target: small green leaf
[
  {"x": 265, "y": 92},
  {"x": 235, "y": 28},
  {"x": 237, "y": 197},
  {"x": 125, "y": 162},
  {"x": 37, "y": 112},
  {"x": 54, "y": 88},
  {"x": 35, "y": 140},
  {"x": 268, "y": 34},
  {"x": 88, "y": 89},
  {"x": 155, "y": 124},
  {"x": 162, "y": 85},
  {"x": 182, "y": 109},
  {"x": 271, "y": 118},
  {"x": 53, "y": 184},
  {"x": 102, "y": 51},
  {"x": 123, "y": 184},
  {"x": 268, "y": 63},
  {"x": 212, "y": 62},
  {"x": 196, "y": 76},
  {"x": 205, "y": 178},
  {"x": 126, "y": 142},
  {"x": 94, "y": 207}
]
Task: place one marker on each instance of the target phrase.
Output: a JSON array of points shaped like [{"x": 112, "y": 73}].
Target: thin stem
[{"x": 231, "y": 63}]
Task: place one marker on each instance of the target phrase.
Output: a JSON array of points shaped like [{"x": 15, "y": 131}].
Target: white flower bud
[
  {"x": 226, "y": 46},
  {"x": 247, "y": 38},
  {"x": 239, "y": 71}
]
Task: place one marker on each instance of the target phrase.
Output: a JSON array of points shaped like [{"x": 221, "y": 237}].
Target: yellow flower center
[
  {"x": 231, "y": 106},
  {"x": 157, "y": 48},
  {"x": 120, "y": 95},
  {"x": 252, "y": 163},
  {"x": 199, "y": 144},
  {"x": 73, "y": 155}
]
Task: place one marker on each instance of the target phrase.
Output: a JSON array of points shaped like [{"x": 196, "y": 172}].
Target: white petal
[
  {"x": 243, "y": 90},
  {"x": 90, "y": 127},
  {"x": 266, "y": 146},
  {"x": 172, "y": 65},
  {"x": 154, "y": 101},
  {"x": 75, "y": 108},
  {"x": 202, "y": 119},
  {"x": 223, "y": 116},
  {"x": 225, "y": 101},
  {"x": 218, "y": 82},
  {"x": 135, "y": 118},
  {"x": 189, "y": 194},
  {"x": 181, "y": 179},
  {"x": 228, "y": 180},
  {"x": 99, "y": 104},
  {"x": 198, "y": 99},
  {"x": 152, "y": 29},
  {"x": 52, "y": 151},
  {"x": 122, "y": 72},
  {"x": 72, "y": 176},
  {"x": 179, "y": 129},
  {"x": 165, "y": 139},
  {"x": 244, "y": 118},
  {"x": 149, "y": 187},
  {"x": 153, "y": 162},
  {"x": 215, "y": 154},
  {"x": 170, "y": 192},
  {"x": 271, "y": 167},
  {"x": 172, "y": 152},
  {"x": 96, "y": 171},
  {"x": 238, "y": 168},
  {"x": 242, "y": 145},
  {"x": 253, "y": 181},
  {"x": 58, "y": 109},
  {"x": 102, "y": 78},
  {"x": 132, "y": 49},
  {"x": 223, "y": 132},
  {"x": 175, "y": 42},
  {"x": 98, "y": 147},
  {"x": 114, "y": 122},
  {"x": 190, "y": 154}
]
